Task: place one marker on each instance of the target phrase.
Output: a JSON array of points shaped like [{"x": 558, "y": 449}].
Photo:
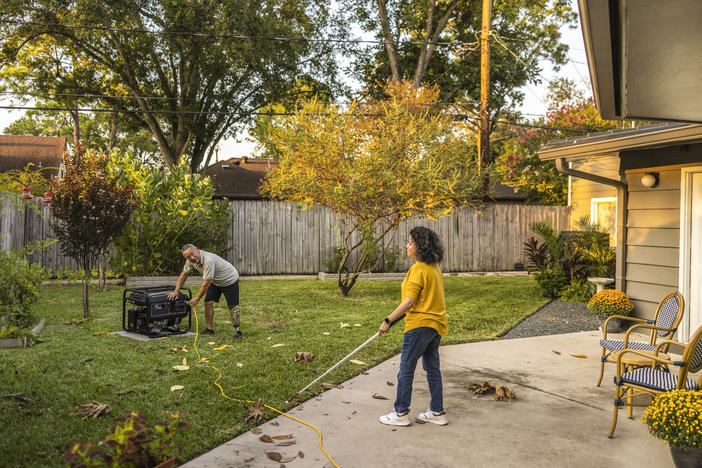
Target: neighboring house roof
[
  {"x": 18, "y": 151},
  {"x": 644, "y": 136},
  {"x": 508, "y": 194},
  {"x": 239, "y": 178}
]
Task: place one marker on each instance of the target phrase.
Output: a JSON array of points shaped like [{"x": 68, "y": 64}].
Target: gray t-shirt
[{"x": 215, "y": 268}]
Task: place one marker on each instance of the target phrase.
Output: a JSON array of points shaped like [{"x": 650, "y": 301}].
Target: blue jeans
[{"x": 424, "y": 342}]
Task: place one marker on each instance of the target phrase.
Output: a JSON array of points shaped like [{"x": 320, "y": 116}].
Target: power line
[{"x": 225, "y": 36}]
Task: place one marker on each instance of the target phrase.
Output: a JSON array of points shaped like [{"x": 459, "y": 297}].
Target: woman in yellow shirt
[{"x": 425, "y": 323}]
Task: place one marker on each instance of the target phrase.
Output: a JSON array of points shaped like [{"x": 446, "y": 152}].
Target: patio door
[{"x": 691, "y": 250}]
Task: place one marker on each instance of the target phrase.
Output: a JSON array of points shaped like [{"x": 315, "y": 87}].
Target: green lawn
[{"x": 74, "y": 364}]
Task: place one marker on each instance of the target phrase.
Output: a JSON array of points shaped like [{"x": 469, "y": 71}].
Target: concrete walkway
[{"x": 559, "y": 418}]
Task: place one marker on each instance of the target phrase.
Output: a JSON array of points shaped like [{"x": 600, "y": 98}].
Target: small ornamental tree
[
  {"x": 90, "y": 208},
  {"x": 373, "y": 164}
]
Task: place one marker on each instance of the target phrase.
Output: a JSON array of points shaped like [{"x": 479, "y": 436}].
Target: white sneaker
[
  {"x": 431, "y": 417},
  {"x": 394, "y": 419}
]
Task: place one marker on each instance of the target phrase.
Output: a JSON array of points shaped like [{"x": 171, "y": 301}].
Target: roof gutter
[{"x": 622, "y": 202}]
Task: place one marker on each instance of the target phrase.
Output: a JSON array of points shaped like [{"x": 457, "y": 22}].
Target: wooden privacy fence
[{"x": 272, "y": 237}]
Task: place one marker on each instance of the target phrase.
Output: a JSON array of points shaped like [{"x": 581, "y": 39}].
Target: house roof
[
  {"x": 506, "y": 193},
  {"x": 18, "y": 151},
  {"x": 239, "y": 178},
  {"x": 601, "y": 143}
]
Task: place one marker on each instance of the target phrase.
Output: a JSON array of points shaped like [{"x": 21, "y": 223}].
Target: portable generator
[{"x": 151, "y": 313}]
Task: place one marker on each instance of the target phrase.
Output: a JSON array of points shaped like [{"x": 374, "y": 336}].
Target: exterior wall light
[{"x": 649, "y": 179}]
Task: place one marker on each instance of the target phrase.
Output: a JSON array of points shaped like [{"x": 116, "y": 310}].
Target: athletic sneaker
[
  {"x": 208, "y": 332},
  {"x": 431, "y": 417},
  {"x": 394, "y": 419}
]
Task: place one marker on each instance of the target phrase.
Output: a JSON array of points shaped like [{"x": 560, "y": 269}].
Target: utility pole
[{"x": 484, "y": 135}]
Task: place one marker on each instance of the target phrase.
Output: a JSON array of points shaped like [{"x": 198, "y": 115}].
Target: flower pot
[
  {"x": 170, "y": 463},
  {"x": 689, "y": 457},
  {"x": 613, "y": 326}
]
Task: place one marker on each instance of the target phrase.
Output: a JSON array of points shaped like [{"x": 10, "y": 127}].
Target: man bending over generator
[{"x": 218, "y": 277}]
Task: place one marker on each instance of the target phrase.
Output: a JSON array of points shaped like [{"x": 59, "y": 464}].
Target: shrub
[
  {"x": 577, "y": 291},
  {"x": 19, "y": 287},
  {"x": 676, "y": 418},
  {"x": 551, "y": 282},
  {"x": 610, "y": 302},
  {"x": 175, "y": 208}
]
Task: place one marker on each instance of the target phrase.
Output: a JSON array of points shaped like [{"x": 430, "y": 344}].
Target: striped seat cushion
[
  {"x": 617, "y": 345},
  {"x": 655, "y": 379}
]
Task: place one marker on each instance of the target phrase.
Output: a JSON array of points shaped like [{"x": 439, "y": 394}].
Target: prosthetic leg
[{"x": 234, "y": 314}]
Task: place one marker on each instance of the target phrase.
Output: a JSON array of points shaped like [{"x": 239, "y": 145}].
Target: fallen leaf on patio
[
  {"x": 177, "y": 387},
  {"x": 255, "y": 412},
  {"x": 180, "y": 368},
  {"x": 303, "y": 357},
  {"x": 357, "y": 362},
  {"x": 503, "y": 393},
  {"x": 556, "y": 352},
  {"x": 379, "y": 397},
  {"x": 16, "y": 396},
  {"x": 92, "y": 410},
  {"x": 220, "y": 348},
  {"x": 275, "y": 456},
  {"x": 345, "y": 325},
  {"x": 283, "y": 437},
  {"x": 287, "y": 460},
  {"x": 256, "y": 430},
  {"x": 275, "y": 423},
  {"x": 346, "y": 402},
  {"x": 390, "y": 383},
  {"x": 266, "y": 438},
  {"x": 479, "y": 389},
  {"x": 277, "y": 345},
  {"x": 328, "y": 385},
  {"x": 582, "y": 356},
  {"x": 249, "y": 459},
  {"x": 325, "y": 333},
  {"x": 286, "y": 443},
  {"x": 300, "y": 454},
  {"x": 238, "y": 364}
]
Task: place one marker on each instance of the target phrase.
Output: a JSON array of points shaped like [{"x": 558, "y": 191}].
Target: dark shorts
[{"x": 231, "y": 293}]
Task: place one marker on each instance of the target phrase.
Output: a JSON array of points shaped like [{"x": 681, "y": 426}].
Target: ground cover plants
[{"x": 77, "y": 362}]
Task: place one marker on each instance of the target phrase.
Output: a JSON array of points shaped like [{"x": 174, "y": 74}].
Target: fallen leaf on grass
[
  {"x": 325, "y": 333},
  {"x": 255, "y": 412},
  {"x": 556, "y": 352},
  {"x": 357, "y": 362},
  {"x": 210, "y": 342},
  {"x": 581, "y": 356},
  {"x": 92, "y": 410},
  {"x": 177, "y": 387},
  {"x": 390, "y": 383},
  {"x": 269, "y": 337},
  {"x": 238, "y": 364},
  {"x": 328, "y": 385},
  {"x": 88, "y": 360},
  {"x": 277, "y": 345},
  {"x": 180, "y": 368},
  {"x": 203, "y": 360},
  {"x": 304, "y": 357},
  {"x": 256, "y": 430},
  {"x": 266, "y": 438},
  {"x": 74, "y": 321},
  {"x": 283, "y": 437},
  {"x": 275, "y": 456},
  {"x": 300, "y": 454},
  {"x": 344, "y": 325},
  {"x": 16, "y": 396},
  {"x": 379, "y": 397},
  {"x": 220, "y": 348},
  {"x": 356, "y": 324}
]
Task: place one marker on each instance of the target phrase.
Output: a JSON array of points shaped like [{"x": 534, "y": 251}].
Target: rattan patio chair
[
  {"x": 664, "y": 324},
  {"x": 651, "y": 380}
]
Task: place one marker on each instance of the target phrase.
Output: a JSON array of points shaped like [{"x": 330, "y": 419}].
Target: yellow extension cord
[{"x": 221, "y": 390}]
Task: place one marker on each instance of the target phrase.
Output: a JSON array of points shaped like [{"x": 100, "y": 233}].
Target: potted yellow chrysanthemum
[
  {"x": 611, "y": 306},
  {"x": 676, "y": 418}
]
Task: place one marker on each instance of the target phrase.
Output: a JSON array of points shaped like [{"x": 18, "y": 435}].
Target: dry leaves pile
[
  {"x": 501, "y": 392},
  {"x": 91, "y": 410},
  {"x": 255, "y": 412},
  {"x": 303, "y": 357}
]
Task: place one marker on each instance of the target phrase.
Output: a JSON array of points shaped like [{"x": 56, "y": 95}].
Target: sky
[{"x": 534, "y": 101}]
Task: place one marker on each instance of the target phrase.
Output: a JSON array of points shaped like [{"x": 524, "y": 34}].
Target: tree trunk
[
  {"x": 86, "y": 291},
  {"x": 76, "y": 130},
  {"x": 113, "y": 133},
  {"x": 389, "y": 42}
]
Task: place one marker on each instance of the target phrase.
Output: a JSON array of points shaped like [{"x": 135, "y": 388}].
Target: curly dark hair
[{"x": 429, "y": 247}]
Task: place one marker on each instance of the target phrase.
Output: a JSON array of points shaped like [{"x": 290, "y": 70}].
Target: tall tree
[{"x": 191, "y": 71}]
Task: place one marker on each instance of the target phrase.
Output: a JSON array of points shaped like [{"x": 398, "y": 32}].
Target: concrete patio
[{"x": 559, "y": 417}]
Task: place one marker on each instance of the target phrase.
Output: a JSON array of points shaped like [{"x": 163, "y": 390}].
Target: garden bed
[{"x": 24, "y": 341}]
